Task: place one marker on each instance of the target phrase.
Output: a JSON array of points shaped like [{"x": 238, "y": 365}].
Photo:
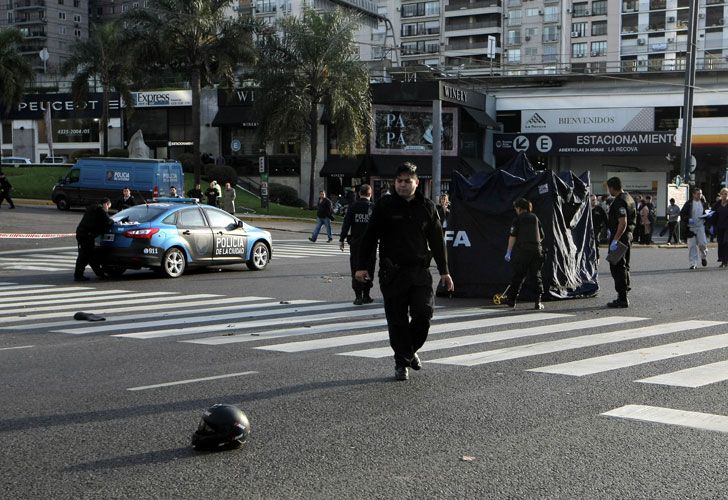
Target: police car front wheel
[
  {"x": 259, "y": 257},
  {"x": 173, "y": 263}
]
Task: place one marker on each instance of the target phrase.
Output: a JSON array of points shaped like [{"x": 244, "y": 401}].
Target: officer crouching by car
[
  {"x": 95, "y": 222},
  {"x": 409, "y": 233},
  {"x": 357, "y": 220}
]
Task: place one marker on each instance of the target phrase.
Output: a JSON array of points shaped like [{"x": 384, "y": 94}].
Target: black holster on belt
[{"x": 388, "y": 271}]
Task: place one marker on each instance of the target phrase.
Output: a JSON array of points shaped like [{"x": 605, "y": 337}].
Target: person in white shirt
[{"x": 693, "y": 228}]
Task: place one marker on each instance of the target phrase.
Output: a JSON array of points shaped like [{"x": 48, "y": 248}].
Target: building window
[
  {"x": 550, "y": 34},
  {"x": 61, "y": 15},
  {"x": 599, "y": 49},
  {"x": 514, "y": 37},
  {"x": 514, "y": 56},
  {"x": 579, "y": 29},
  {"x": 599, "y": 28},
  {"x": 76, "y": 3},
  {"x": 550, "y": 53},
  {"x": 60, "y": 2},
  {"x": 77, "y": 18},
  {"x": 551, "y": 15},
  {"x": 515, "y": 17},
  {"x": 578, "y": 49},
  {"x": 61, "y": 30},
  {"x": 580, "y": 9},
  {"x": 77, "y": 33},
  {"x": 599, "y": 7},
  {"x": 532, "y": 12}
]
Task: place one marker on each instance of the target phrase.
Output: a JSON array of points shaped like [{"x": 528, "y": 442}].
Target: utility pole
[{"x": 687, "y": 128}]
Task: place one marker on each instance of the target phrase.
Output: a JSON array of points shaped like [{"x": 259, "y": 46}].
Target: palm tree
[
  {"x": 100, "y": 58},
  {"x": 15, "y": 72},
  {"x": 309, "y": 63},
  {"x": 195, "y": 38}
]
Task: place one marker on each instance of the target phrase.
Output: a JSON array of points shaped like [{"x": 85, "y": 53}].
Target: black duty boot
[
  {"x": 359, "y": 300},
  {"x": 621, "y": 302},
  {"x": 366, "y": 299},
  {"x": 401, "y": 373},
  {"x": 538, "y": 305}
]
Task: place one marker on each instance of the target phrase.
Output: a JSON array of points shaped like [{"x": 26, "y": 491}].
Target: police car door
[
  {"x": 192, "y": 228},
  {"x": 230, "y": 240}
]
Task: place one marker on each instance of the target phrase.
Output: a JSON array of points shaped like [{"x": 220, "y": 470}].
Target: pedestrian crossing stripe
[
  {"x": 547, "y": 347},
  {"x": 36, "y": 289},
  {"x": 364, "y": 338},
  {"x": 78, "y": 297},
  {"x": 681, "y": 418},
  {"x": 326, "y": 328},
  {"x": 692, "y": 377},
  {"x": 483, "y": 338},
  {"x": 637, "y": 356},
  {"x": 160, "y": 307}
]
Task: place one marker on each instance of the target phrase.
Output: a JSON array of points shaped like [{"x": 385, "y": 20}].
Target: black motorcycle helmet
[{"x": 222, "y": 427}]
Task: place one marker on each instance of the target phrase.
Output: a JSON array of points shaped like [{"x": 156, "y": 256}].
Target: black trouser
[
  {"x": 357, "y": 285},
  {"x": 408, "y": 304},
  {"x": 5, "y": 195},
  {"x": 86, "y": 256},
  {"x": 721, "y": 235},
  {"x": 671, "y": 232},
  {"x": 525, "y": 263},
  {"x": 596, "y": 243},
  {"x": 620, "y": 271}
]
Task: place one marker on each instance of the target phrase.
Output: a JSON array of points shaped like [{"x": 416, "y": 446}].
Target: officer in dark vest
[
  {"x": 409, "y": 233},
  {"x": 95, "y": 222},
  {"x": 524, "y": 251},
  {"x": 357, "y": 220},
  {"x": 621, "y": 223}
]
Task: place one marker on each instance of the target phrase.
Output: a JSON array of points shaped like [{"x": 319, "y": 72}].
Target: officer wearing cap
[
  {"x": 409, "y": 233},
  {"x": 621, "y": 222},
  {"x": 356, "y": 221},
  {"x": 95, "y": 222}
]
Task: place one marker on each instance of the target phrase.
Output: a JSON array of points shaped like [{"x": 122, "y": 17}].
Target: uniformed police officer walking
[
  {"x": 621, "y": 223},
  {"x": 525, "y": 252},
  {"x": 95, "y": 222},
  {"x": 409, "y": 233},
  {"x": 357, "y": 220}
]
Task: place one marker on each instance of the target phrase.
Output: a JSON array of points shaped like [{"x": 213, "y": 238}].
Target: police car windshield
[{"x": 139, "y": 213}]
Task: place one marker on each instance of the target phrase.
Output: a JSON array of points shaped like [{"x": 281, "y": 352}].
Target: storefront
[
  {"x": 74, "y": 127},
  {"x": 402, "y": 130}
]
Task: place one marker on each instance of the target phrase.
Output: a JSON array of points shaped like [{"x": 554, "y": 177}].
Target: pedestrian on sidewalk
[
  {"x": 621, "y": 223},
  {"x": 5, "y": 188},
  {"x": 324, "y": 216},
  {"x": 212, "y": 194},
  {"x": 673, "y": 215},
  {"x": 228, "y": 199},
  {"x": 357, "y": 219},
  {"x": 525, "y": 252},
  {"x": 647, "y": 220},
  {"x": 409, "y": 233},
  {"x": 719, "y": 225},
  {"x": 692, "y": 217}
]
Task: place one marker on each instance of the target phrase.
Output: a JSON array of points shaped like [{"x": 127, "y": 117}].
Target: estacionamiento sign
[{"x": 627, "y": 143}]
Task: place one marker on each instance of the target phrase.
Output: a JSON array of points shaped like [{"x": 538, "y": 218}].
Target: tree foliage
[
  {"x": 311, "y": 62},
  {"x": 99, "y": 57},
  {"x": 15, "y": 71},
  {"x": 194, "y": 38}
]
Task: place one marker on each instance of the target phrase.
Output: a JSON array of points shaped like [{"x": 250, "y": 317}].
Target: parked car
[
  {"x": 15, "y": 160},
  {"x": 92, "y": 179},
  {"x": 54, "y": 159},
  {"x": 177, "y": 233}
]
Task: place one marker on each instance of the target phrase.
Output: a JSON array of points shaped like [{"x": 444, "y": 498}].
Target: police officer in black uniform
[
  {"x": 357, "y": 220},
  {"x": 524, "y": 251},
  {"x": 409, "y": 233},
  {"x": 599, "y": 221},
  {"x": 95, "y": 222},
  {"x": 621, "y": 223}
]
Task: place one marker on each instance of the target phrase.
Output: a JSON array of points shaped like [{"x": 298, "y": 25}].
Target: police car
[{"x": 174, "y": 234}]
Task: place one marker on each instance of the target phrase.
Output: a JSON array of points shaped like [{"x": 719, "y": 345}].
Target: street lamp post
[{"x": 687, "y": 128}]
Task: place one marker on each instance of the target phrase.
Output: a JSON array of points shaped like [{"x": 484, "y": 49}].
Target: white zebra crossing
[
  {"x": 60, "y": 259},
  {"x": 681, "y": 418},
  {"x": 262, "y": 323}
]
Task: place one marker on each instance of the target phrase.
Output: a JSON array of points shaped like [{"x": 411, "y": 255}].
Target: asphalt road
[{"x": 88, "y": 410}]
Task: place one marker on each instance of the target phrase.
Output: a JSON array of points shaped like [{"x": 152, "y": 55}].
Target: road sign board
[{"x": 521, "y": 143}]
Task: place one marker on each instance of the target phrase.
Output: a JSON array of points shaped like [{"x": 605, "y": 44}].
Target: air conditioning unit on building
[
  {"x": 640, "y": 41},
  {"x": 505, "y": 16},
  {"x": 701, "y": 15},
  {"x": 670, "y": 40},
  {"x": 580, "y": 54},
  {"x": 574, "y": 34},
  {"x": 671, "y": 19},
  {"x": 540, "y": 13},
  {"x": 595, "y": 54},
  {"x": 587, "y": 13},
  {"x": 721, "y": 21},
  {"x": 641, "y": 63},
  {"x": 527, "y": 37}
]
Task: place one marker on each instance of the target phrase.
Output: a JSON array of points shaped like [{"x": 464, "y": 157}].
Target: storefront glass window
[
  {"x": 71, "y": 130},
  {"x": 152, "y": 123},
  {"x": 180, "y": 124}
]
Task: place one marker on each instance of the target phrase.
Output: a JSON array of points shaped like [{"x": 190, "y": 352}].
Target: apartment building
[{"x": 46, "y": 24}]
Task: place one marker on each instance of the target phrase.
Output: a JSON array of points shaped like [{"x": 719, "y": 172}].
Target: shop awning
[
  {"x": 386, "y": 165},
  {"x": 235, "y": 116},
  {"x": 482, "y": 118},
  {"x": 341, "y": 166}
]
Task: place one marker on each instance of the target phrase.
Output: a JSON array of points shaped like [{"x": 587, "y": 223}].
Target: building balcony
[
  {"x": 467, "y": 5},
  {"x": 29, "y": 22},
  {"x": 471, "y": 26},
  {"x": 22, "y": 5},
  {"x": 466, "y": 46}
]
